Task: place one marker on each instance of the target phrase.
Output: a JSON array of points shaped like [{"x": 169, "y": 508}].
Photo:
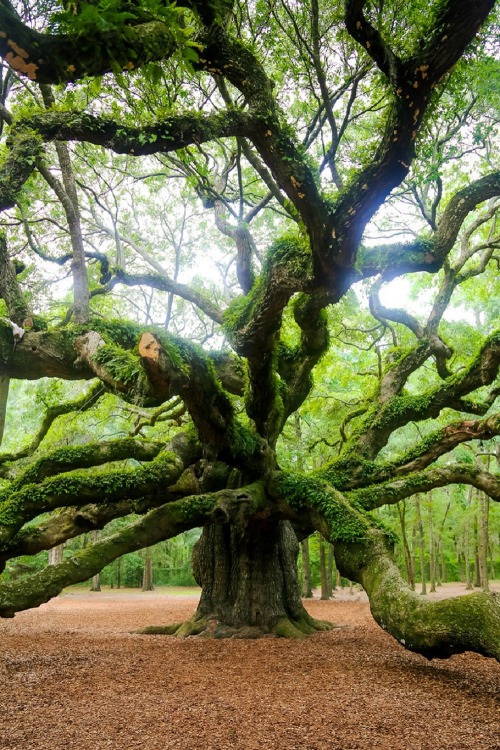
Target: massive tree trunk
[{"x": 250, "y": 586}]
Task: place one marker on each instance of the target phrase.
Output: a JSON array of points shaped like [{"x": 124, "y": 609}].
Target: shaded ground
[{"x": 73, "y": 677}]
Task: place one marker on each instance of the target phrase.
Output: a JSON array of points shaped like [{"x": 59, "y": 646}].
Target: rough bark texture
[
  {"x": 434, "y": 630},
  {"x": 249, "y": 581}
]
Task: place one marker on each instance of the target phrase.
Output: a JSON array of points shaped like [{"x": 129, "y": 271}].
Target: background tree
[{"x": 303, "y": 156}]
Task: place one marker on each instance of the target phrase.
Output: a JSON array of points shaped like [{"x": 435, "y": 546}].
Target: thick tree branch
[
  {"x": 81, "y": 487},
  {"x": 387, "y": 415},
  {"x": 161, "y": 523},
  {"x": 434, "y": 629},
  {"x": 167, "y": 135},
  {"x": 391, "y": 492},
  {"x": 295, "y": 365},
  {"x": 165, "y": 284},
  {"x": 10, "y": 291},
  {"x": 428, "y": 254},
  {"x": 370, "y": 38},
  {"x": 59, "y": 58},
  {"x": 85, "y": 457}
]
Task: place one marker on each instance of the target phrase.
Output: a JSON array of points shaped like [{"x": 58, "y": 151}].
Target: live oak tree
[{"x": 301, "y": 128}]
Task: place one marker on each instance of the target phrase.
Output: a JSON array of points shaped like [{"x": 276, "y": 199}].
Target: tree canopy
[{"x": 205, "y": 209}]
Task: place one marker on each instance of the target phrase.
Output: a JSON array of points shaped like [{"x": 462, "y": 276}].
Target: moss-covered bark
[
  {"x": 161, "y": 523},
  {"x": 248, "y": 573},
  {"x": 434, "y": 629}
]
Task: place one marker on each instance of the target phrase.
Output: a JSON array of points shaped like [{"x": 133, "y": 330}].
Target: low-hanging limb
[
  {"x": 80, "y": 487},
  {"x": 362, "y": 554},
  {"x": 67, "y": 524},
  {"x": 161, "y": 523},
  {"x": 433, "y": 629},
  {"x": 347, "y": 474},
  {"x": 86, "y": 456},
  {"x": 392, "y": 491}
]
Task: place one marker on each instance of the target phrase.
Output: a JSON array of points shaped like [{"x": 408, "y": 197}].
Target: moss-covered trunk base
[{"x": 250, "y": 587}]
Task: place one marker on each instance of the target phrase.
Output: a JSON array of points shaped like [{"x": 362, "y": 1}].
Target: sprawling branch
[
  {"x": 388, "y": 414},
  {"x": 85, "y": 457},
  {"x": 164, "y": 136},
  {"x": 67, "y": 524},
  {"x": 348, "y": 473},
  {"x": 428, "y": 254},
  {"x": 161, "y": 523},
  {"x": 77, "y": 488},
  {"x": 434, "y": 629},
  {"x": 59, "y": 58},
  {"x": 391, "y": 492},
  {"x": 442, "y": 441}
]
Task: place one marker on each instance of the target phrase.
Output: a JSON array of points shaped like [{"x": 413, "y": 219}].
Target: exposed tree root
[{"x": 209, "y": 627}]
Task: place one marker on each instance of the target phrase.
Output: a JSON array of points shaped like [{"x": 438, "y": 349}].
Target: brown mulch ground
[{"x": 73, "y": 677}]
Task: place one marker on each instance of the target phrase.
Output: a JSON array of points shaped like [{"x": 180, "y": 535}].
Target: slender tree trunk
[
  {"x": 492, "y": 562},
  {"x": 432, "y": 544},
  {"x": 460, "y": 559},
  {"x": 96, "y": 580},
  {"x": 67, "y": 194},
  {"x": 56, "y": 554},
  {"x": 410, "y": 570},
  {"x": 440, "y": 556},
  {"x": 329, "y": 568},
  {"x": 421, "y": 544},
  {"x": 325, "y": 588},
  {"x": 306, "y": 569},
  {"x": 484, "y": 509},
  {"x": 468, "y": 577},
  {"x": 119, "y": 573},
  {"x": 147, "y": 576},
  {"x": 477, "y": 567}
]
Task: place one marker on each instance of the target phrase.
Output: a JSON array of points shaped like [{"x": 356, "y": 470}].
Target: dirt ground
[{"x": 73, "y": 677}]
